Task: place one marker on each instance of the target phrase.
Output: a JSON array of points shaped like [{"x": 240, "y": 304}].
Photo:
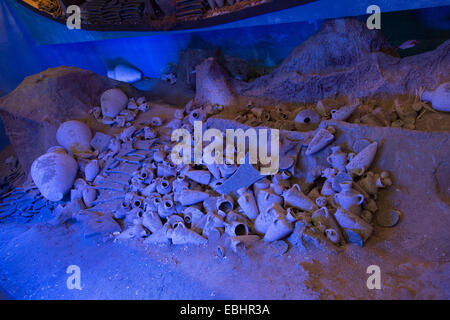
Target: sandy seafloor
[{"x": 413, "y": 256}]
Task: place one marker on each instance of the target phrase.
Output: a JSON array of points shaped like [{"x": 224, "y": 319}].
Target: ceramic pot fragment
[
  {"x": 189, "y": 197},
  {"x": 225, "y": 203},
  {"x": 133, "y": 216},
  {"x": 384, "y": 180},
  {"x": 326, "y": 221},
  {"x": 439, "y": 97},
  {"x": 362, "y": 161},
  {"x": 369, "y": 183},
  {"x": 91, "y": 170},
  {"x": 226, "y": 170},
  {"x": 321, "y": 201},
  {"x": 165, "y": 169},
  {"x": 248, "y": 204},
  {"x": 196, "y": 115},
  {"x": 200, "y": 176},
  {"x": 174, "y": 220},
  {"x": 265, "y": 198},
  {"x": 74, "y": 136},
  {"x": 112, "y": 102},
  {"x": 307, "y": 117},
  {"x": 127, "y": 134},
  {"x": 327, "y": 189},
  {"x": 156, "y": 121},
  {"x": 353, "y": 225},
  {"x": 174, "y": 124},
  {"x": 214, "y": 169},
  {"x": 293, "y": 214},
  {"x": 54, "y": 173},
  {"x": 340, "y": 178},
  {"x": 132, "y": 232},
  {"x": 166, "y": 208},
  {"x": 320, "y": 140},
  {"x": 180, "y": 184},
  {"x": 324, "y": 107},
  {"x": 265, "y": 218},
  {"x": 151, "y": 188},
  {"x": 152, "y": 221},
  {"x": 236, "y": 228},
  {"x": 212, "y": 227},
  {"x": 162, "y": 235},
  {"x": 125, "y": 73},
  {"x": 305, "y": 236},
  {"x": 163, "y": 186},
  {"x": 333, "y": 235},
  {"x": 159, "y": 155},
  {"x": 344, "y": 113},
  {"x": 367, "y": 216},
  {"x": 337, "y": 159},
  {"x": 149, "y": 133},
  {"x": 388, "y": 218},
  {"x": 287, "y": 162},
  {"x": 146, "y": 174},
  {"x": 360, "y": 144},
  {"x": 371, "y": 120},
  {"x": 371, "y": 206},
  {"x": 194, "y": 216},
  {"x": 294, "y": 197},
  {"x": 349, "y": 199},
  {"x": 277, "y": 188},
  {"x": 382, "y": 116},
  {"x": 216, "y": 184},
  {"x": 137, "y": 201},
  {"x": 243, "y": 242},
  {"x": 278, "y": 229},
  {"x": 261, "y": 184},
  {"x": 89, "y": 196}
]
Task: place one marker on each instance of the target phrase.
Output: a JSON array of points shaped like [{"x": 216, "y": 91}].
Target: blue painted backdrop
[{"x": 30, "y": 43}]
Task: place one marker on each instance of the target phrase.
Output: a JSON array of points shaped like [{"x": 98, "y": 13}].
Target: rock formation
[
  {"x": 191, "y": 57},
  {"x": 213, "y": 85},
  {"x": 34, "y": 110},
  {"x": 346, "y": 59},
  {"x": 340, "y": 44}
]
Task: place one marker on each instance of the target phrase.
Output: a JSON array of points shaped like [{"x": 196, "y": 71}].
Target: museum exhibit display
[{"x": 224, "y": 149}]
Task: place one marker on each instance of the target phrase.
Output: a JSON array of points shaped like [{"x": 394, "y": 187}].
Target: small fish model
[{"x": 408, "y": 44}]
